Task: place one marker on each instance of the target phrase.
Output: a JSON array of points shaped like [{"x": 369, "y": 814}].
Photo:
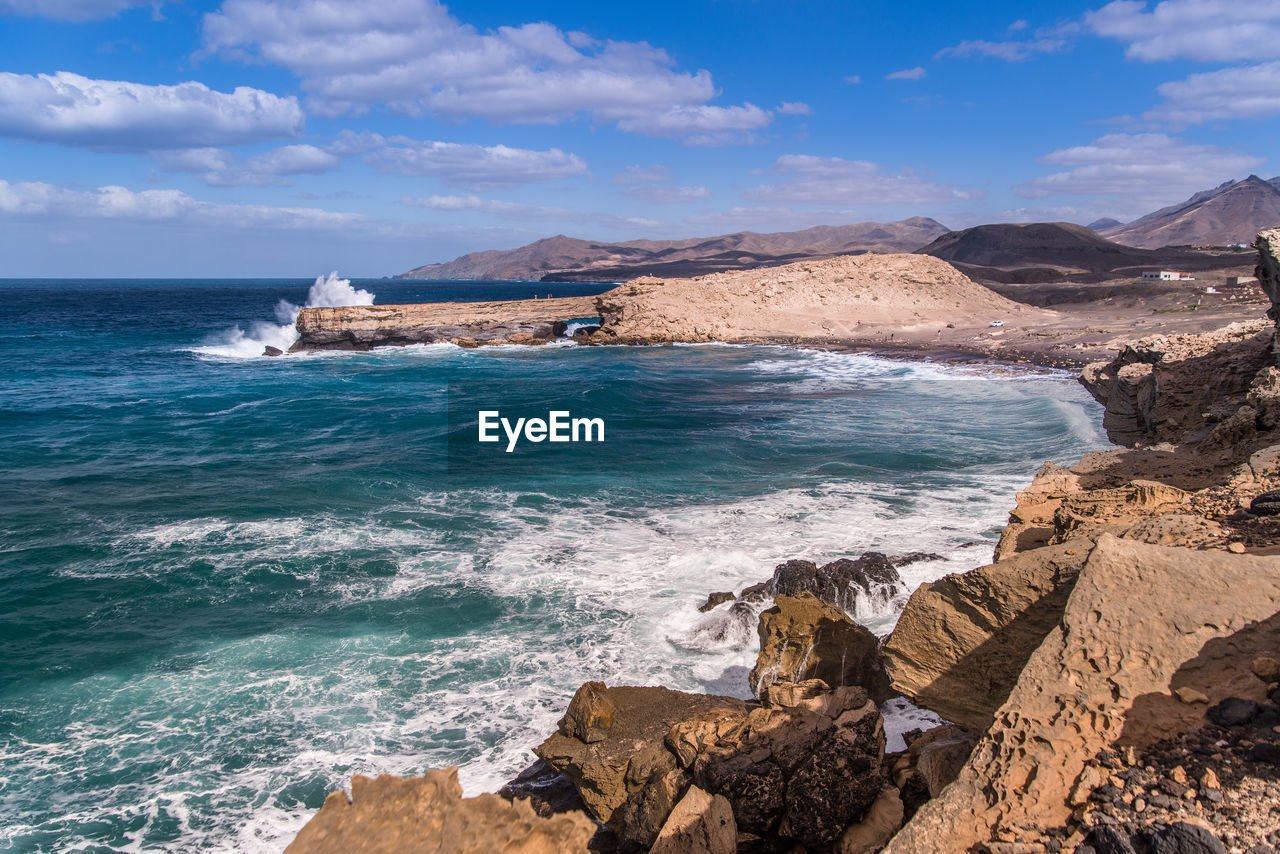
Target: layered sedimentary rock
[
  {"x": 428, "y": 814},
  {"x": 1142, "y": 623},
  {"x": 362, "y": 327},
  {"x": 801, "y": 768}
]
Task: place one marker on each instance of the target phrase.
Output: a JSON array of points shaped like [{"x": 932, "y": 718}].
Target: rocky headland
[{"x": 1112, "y": 677}]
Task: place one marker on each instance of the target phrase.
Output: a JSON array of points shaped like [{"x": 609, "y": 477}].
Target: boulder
[
  {"x": 608, "y": 770},
  {"x": 272, "y": 351},
  {"x": 428, "y": 814},
  {"x": 1141, "y": 622},
  {"x": 799, "y": 769},
  {"x": 1181, "y": 838},
  {"x": 715, "y": 600},
  {"x": 546, "y": 789},
  {"x": 699, "y": 824},
  {"x": 862, "y": 588},
  {"x": 590, "y": 713},
  {"x": 962, "y": 640},
  {"x": 804, "y": 638}
]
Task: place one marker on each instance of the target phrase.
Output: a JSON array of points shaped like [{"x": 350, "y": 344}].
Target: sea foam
[{"x": 238, "y": 343}]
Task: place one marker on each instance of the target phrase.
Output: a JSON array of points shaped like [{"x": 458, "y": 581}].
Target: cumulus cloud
[
  {"x": 1010, "y": 51},
  {"x": 114, "y": 114},
  {"x": 917, "y": 73},
  {"x": 415, "y": 58},
  {"x": 70, "y": 10},
  {"x": 1232, "y": 93},
  {"x": 37, "y": 199},
  {"x": 218, "y": 168},
  {"x": 666, "y": 194},
  {"x": 1143, "y": 170},
  {"x": 834, "y": 180},
  {"x": 522, "y": 212},
  {"x": 474, "y": 167},
  {"x": 1222, "y": 30}
]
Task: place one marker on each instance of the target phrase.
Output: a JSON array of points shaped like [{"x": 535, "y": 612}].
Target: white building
[{"x": 1167, "y": 276}]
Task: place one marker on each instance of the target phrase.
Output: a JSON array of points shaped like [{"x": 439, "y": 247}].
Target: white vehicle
[{"x": 997, "y": 323}]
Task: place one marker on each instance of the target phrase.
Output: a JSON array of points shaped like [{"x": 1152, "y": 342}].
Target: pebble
[
  {"x": 1139, "y": 804},
  {"x": 1236, "y": 548},
  {"x": 1178, "y": 774}
]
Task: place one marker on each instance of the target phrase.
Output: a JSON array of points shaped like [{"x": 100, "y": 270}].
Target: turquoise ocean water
[{"x": 229, "y": 582}]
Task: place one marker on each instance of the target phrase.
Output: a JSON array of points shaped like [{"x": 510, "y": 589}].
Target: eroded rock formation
[
  {"x": 802, "y": 767},
  {"x": 428, "y": 814},
  {"x": 1142, "y": 622}
]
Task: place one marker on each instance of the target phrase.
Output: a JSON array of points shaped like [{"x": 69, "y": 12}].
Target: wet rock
[
  {"x": 699, "y": 824},
  {"x": 755, "y": 593},
  {"x": 715, "y": 599},
  {"x": 803, "y": 638},
  {"x": 390, "y": 815},
  {"x": 1233, "y": 711},
  {"x": 548, "y": 791},
  {"x": 861, "y": 587},
  {"x": 272, "y": 351},
  {"x": 1181, "y": 838}
]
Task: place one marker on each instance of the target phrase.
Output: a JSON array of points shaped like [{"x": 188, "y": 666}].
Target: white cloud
[
  {"x": 1223, "y": 30},
  {"x": 218, "y": 168},
  {"x": 416, "y": 58},
  {"x": 1018, "y": 25},
  {"x": 36, "y": 199},
  {"x": 795, "y": 108},
  {"x": 834, "y": 180},
  {"x": 917, "y": 73},
  {"x": 1232, "y": 93},
  {"x": 702, "y": 124},
  {"x": 643, "y": 175},
  {"x": 1010, "y": 51},
  {"x": 474, "y": 167},
  {"x": 70, "y": 10},
  {"x": 772, "y": 218},
  {"x": 666, "y": 194},
  {"x": 1140, "y": 170},
  {"x": 853, "y": 79},
  {"x": 522, "y": 212},
  {"x": 113, "y": 114},
  {"x": 294, "y": 160}
]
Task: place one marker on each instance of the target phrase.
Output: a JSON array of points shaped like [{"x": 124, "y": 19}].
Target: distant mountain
[
  {"x": 567, "y": 258},
  {"x": 1231, "y": 213},
  {"x": 1058, "y": 251},
  {"x": 1105, "y": 222}
]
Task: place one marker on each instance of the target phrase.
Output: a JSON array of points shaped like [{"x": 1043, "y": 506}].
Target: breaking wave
[{"x": 238, "y": 343}]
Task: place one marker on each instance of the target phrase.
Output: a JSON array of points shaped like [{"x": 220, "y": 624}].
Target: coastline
[{"x": 1130, "y": 614}]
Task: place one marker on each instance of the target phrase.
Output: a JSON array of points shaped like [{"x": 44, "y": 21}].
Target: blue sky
[{"x": 291, "y": 137}]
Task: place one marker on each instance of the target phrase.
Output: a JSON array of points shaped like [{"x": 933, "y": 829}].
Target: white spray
[{"x": 327, "y": 291}]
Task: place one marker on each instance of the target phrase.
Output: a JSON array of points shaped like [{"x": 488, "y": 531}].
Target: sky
[{"x": 293, "y": 137}]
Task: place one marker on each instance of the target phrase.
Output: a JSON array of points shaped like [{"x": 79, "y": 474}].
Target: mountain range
[
  {"x": 1233, "y": 212},
  {"x": 563, "y": 258}
]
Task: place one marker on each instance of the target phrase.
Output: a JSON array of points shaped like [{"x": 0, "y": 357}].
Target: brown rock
[
  {"x": 428, "y": 814},
  {"x": 590, "y": 713},
  {"x": 878, "y": 827},
  {"x": 940, "y": 754},
  {"x": 606, "y": 772},
  {"x": 803, "y": 638},
  {"x": 699, "y": 824},
  {"x": 1141, "y": 622},
  {"x": 962, "y": 640},
  {"x": 1266, "y": 668}
]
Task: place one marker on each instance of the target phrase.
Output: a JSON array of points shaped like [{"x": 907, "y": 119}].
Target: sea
[{"x": 228, "y": 582}]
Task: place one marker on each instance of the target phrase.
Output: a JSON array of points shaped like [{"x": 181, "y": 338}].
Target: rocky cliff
[{"x": 1115, "y": 670}]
